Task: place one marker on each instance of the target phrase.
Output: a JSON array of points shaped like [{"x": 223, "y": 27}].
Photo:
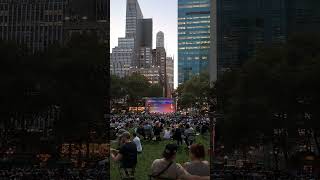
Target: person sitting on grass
[
  {"x": 189, "y": 135},
  {"x": 137, "y": 141},
  {"x": 157, "y": 131},
  {"x": 127, "y": 156},
  {"x": 166, "y": 168},
  {"x": 197, "y": 165},
  {"x": 167, "y": 134}
]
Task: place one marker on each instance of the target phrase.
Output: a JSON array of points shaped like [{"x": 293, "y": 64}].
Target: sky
[{"x": 164, "y": 14}]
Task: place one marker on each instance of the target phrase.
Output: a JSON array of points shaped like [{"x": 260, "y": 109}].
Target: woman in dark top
[
  {"x": 127, "y": 154},
  {"x": 178, "y": 134}
]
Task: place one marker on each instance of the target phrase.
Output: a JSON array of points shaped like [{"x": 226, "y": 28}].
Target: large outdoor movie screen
[{"x": 160, "y": 105}]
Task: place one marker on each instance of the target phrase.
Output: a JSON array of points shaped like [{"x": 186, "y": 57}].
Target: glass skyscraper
[
  {"x": 244, "y": 26},
  {"x": 193, "y": 38}
]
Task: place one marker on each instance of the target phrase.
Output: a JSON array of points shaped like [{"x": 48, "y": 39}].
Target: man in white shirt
[{"x": 137, "y": 141}]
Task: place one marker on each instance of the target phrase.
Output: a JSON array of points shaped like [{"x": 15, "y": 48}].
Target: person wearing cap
[
  {"x": 166, "y": 168},
  {"x": 127, "y": 154}
]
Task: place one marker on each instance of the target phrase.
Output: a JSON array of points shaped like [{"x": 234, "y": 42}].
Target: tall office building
[
  {"x": 303, "y": 16},
  {"x": 133, "y": 14},
  {"x": 160, "y": 39},
  {"x": 170, "y": 76},
  {"x": 87, "y": 16},
  {"x": 193, "y": 38},
  {"x": 124, "y": 56},
  {"x": 160, "y": 55},
  {"x": 144, "y": 43},
  {"x": 37, "y": 24},
  {"x": 138, "y": 42},
  {"x": 241, "y": 27},
  {"x": 121, "y": 57}
]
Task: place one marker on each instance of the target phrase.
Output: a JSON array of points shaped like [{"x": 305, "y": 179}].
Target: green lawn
[{"x": 152, "y": 151}]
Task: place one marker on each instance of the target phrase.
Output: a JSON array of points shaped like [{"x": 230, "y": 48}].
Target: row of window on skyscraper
[
  {"x": 39, "y": 23},
  {"x": 240, "y": 28}
]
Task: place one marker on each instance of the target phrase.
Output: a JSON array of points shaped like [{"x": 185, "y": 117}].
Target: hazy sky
[{"x": 164, "y": 14}]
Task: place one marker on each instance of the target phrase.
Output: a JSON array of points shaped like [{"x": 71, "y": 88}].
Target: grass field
[{"x": 153, "y": 150}]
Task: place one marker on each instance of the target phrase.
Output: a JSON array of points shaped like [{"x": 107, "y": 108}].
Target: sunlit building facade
[{"x": 193, "y": 38}]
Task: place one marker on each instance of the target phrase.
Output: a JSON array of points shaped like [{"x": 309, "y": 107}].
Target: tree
[
  {"x": 275, "y": 90},
  {"x": 194, "y": 93},
  {"x": 133, "y": 89}
]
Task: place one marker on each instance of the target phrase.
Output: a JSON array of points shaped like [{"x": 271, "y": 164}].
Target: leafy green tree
[
  {"x": 194, "y": 93},
  {"x": 132, "y": 89}
]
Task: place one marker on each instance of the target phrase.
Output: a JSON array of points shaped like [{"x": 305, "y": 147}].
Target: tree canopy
[
  {"x": 132, "y": 89},
  {"x": 277, "y": 89},
  {"x": 72, "y": 77}
]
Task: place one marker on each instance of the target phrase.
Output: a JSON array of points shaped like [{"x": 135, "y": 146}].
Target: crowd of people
[
  {"x": 172, "y": 126},
  {"x": 31, "y": 173},
  {"x": 182, "y": 129}
]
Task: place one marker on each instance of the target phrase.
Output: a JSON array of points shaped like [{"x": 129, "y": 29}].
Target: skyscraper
[
  {"x": 144, "y": 43},
  {"x": 87, "y": 16},
  {"x": 193, "y": 37},
  {"x": 37, "y": 24},
  {"x": 170, "y": 76},
  {"x": 133, "y": 14},
  {"x": 160, "y": 39},
  {"x": 303, "y": 16},
  {"x": 242, "y": 27},
  {"x": 122, "y": 57},
  {"x": 125, "y": 55}
]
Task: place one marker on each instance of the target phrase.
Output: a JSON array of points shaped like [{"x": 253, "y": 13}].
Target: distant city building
[
  {"x": 151, "y": 73},
  {"x": 134, "y": 51},
  {"x": 170, "y": 76},
  {"x": 160, "y": 39},
  {"x": 133, "y": 14},
  {"x": 144, "y": 43},
  {"x": 144, "y": 57},
  {"x": 37, "y": 24},
  {"x": 193, "y": 38},
  {"x": 121, "y": 60}
]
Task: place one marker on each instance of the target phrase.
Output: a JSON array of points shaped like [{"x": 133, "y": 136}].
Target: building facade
[
  {"x": 242, "y": 27},
  {"x": 151, "y": 73},
  {"x": 137, "y": 43},
  {"x": 160, "y": 39},
  {"x": 37, "y": 24},
  {"x": 170, "y": 76},
  {"x": 144, "y": 43},
  {"x": 87, "y": 16},
  {"x": 133, "y": 14},
  {"x": 193, "y": 38}
]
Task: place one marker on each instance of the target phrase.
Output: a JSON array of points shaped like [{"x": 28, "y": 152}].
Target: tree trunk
[
  {"x": 69, "y": 153},
  {"x": 79, "y": 154},
  {"x": 285, "y": 148},
  {"x": 316, "y": 141},
  {"x": 88, "y": 150}
]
